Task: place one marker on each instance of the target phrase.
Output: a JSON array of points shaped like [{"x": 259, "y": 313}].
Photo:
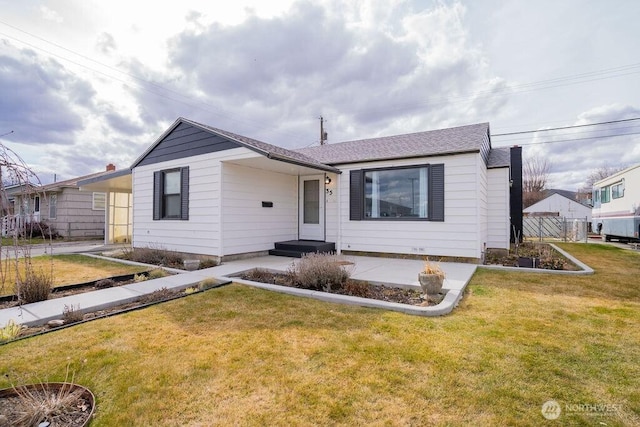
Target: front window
[
  {"x": 396, "y": 193},
  {"x": 171, "y": 194},
  {"x": 53, "y": 203},
  {"x": 617, "y": 190},
  {"x": 604, "y": 194},
  {"x": 99, "y": 201}
]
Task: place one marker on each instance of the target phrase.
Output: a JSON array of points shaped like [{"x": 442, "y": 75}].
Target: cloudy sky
[{"x": 86, "y": 82}]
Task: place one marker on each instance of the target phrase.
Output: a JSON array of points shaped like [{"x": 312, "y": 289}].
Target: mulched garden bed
[
  {"x": 530, "y": 255},
  {"x": 77, "y": 288},
  {"x": 355, "y": 288}
]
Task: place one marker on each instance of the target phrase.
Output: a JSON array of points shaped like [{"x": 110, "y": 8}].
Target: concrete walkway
[{"x": 400, "y": 272}]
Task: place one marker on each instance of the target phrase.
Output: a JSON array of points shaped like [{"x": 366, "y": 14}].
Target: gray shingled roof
[
  {"x": 499, "y": 157},
  {"x": 436, "y": 142},
  {"x": 271, "y": 151}
]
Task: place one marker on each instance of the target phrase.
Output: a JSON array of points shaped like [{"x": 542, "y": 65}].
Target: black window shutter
[
  {"x": 157, "y": 195},
  {"x": 436, "y": 192},
  {"x": 184, "y": 193},
  {"x": 356, "y": 198}
]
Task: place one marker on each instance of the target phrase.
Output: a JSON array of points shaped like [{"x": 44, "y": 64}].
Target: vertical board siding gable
[
  {"x": 186, "y": 141},
  {"x": 356, "y": 195},
  {"x": 436, "y": 192}
]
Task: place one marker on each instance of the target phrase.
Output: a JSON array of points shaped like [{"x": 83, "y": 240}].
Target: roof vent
[{"x": 111, "y": 167}]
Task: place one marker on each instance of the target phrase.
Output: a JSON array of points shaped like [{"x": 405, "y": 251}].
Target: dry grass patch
[
  {"x": 243, "y": 356},
  {"x": 67, "y": 269}
]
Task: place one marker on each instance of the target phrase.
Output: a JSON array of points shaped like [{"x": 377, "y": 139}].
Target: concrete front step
[{"x": 297, "y": 248}]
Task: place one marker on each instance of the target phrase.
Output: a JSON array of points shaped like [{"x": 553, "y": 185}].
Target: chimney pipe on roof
[{"x": 111, "y": 167}]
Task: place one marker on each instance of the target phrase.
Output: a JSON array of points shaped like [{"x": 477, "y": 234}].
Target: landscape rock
[{"x": 55, "y": 323}]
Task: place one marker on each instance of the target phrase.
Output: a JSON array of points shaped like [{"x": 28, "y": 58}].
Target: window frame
[
  {"x": 159, "y": 196},
  {"x": 93, "y": 201},
  {"x": 615, "y": 192},
  {"x": 435, "y": 193},
  {"x": 605, "y": 194},
  {"x": 53, "y": 206}
]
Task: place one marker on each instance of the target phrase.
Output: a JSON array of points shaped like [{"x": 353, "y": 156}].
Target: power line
[
  {"x": 566, "y": 127},
  {"x": 576, "y": 139}
]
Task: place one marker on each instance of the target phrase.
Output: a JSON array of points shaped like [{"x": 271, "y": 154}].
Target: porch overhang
[
  {"x": 280, "y": 165},
  {"x": 116, "y": 182}
]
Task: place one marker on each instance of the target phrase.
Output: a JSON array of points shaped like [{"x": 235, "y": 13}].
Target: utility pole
[{"x": 323, "y": 134}]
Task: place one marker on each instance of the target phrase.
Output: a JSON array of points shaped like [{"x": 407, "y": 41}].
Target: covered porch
[{"x": 119, "y": 204}]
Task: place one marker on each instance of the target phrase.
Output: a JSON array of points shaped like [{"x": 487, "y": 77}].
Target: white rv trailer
[{"x": 616, "y": 205}]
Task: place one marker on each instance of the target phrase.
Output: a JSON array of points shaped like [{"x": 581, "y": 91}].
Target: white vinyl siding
[
  {"x": 200, "y": 234},
  {"x": 458, "y": 235},
  {"x": 498, "y": 232},
  {"x": 247, "y": 225}
]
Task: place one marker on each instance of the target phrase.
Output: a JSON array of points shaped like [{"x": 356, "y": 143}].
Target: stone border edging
[
  {"x": 585, "y": 269},
  {"x": 450, "y": 301}
]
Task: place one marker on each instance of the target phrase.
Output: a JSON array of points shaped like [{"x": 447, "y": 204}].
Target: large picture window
[
  {"x": 402, "y": 193},
  {"x": 396, "y": 193},
  {"x": 171, "y": 194}
]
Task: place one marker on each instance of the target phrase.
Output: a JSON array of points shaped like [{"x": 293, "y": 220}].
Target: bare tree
[
  {"x": 598, "y": 174},
  {"x": 535, "y": 174},
  {"x": 15, "y": 248}
]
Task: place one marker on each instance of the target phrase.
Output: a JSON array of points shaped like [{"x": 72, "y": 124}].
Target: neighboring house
[
  {"x": 61, "y": 205},
  {"x": 559, "y": 203},
  {"x": 443, "y": 193}
]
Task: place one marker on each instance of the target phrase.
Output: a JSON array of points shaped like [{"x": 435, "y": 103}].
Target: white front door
[{"x": 311, "y": 199}]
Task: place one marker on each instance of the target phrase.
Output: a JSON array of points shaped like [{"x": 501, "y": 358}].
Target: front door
[{"x": 311, "y": 216}]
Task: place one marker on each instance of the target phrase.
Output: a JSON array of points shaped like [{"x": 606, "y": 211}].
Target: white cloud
[{"x": 51, "y": 15}]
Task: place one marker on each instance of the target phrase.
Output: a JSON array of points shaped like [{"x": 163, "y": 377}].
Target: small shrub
[
  {"x": 156, "y": 274},
  {"x": 105, "y": 283},
  {"x": 208, "y": 263},
  {"x": 161, "y": 294},
  {"x": 432, "y": 268},
  {"x": 207, "y": 283},
  {"x": 71, "y": 314},
  {"x": 139, "y": 278},
  {"x": 10, "y": 331},
  {"x": 258, "y": 275},
  {"x": 154, "y": 256},
  {"x": 549, "y": 261},
  {"x": 190, "y": 290},
  {"x": 320, "y": 272},
  {"x": 38, "y": 230},
  {"x": 34, "y": 287}
]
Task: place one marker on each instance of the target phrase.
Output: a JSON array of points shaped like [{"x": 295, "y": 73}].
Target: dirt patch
[
  {"x": 531, "y": 255},
  {"x": 355, "y": 288}
]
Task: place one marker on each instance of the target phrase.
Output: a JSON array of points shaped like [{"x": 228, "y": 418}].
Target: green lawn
[{"x": 243, "y": 356}]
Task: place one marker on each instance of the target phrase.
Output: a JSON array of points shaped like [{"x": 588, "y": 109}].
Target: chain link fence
[{"x": 555, "y": 227}]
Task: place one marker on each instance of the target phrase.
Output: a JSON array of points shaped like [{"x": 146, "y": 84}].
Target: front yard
[
  {"x": 65, "y": 270},
  {"x": 244, "y": 356}
]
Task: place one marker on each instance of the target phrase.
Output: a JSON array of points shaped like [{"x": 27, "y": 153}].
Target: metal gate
[{"x": 555, "y": 227}]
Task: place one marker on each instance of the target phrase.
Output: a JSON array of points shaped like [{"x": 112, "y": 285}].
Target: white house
[
  {"x": 444, "y": 193},
  {"x": 558, "y": 204}
]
